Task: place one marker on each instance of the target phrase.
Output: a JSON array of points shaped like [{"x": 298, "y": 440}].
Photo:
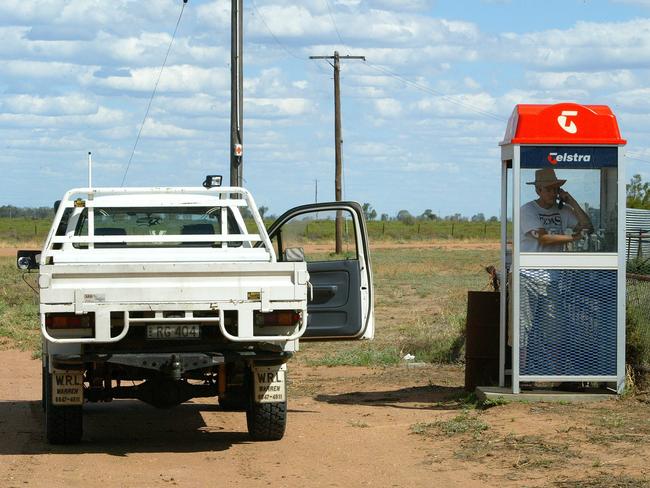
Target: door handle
[{"x": 323, "y": 293}]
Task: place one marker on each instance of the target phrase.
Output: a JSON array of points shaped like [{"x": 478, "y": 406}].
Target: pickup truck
[{"x": 168, "y": 294}]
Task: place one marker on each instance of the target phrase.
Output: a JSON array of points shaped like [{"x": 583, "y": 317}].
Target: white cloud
[
  {"x": 635, "y": 101},
  {"x": 430, "y": 167},
  {"x": 214, "y": 13},
  {"x": 65, "y": 105},
  {"x": 459, "y": 105},
  {"x": 195, "y": 106},
  {"x": 275, "y": 107},
  {"x": 551, "y": 80},
  {"x": 160, "y": 130},
  {"x": 102, "y": 117},
  {"x": 388, "y": 107},
  {"x": 403, "y": 5},
  {"x": 178, "y": 78},
  {"x": 585, "y": 46},
  {"x": 471, "y": 83}
]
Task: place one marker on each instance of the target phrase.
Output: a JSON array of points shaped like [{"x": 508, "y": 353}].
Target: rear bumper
[{"x": 168, "y": 362}]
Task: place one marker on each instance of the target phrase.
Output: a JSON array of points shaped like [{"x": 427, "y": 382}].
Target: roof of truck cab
[{"x": 153, "y": 197}]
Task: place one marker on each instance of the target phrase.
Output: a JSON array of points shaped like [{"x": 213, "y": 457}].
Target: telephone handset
[{"x": 560, "y": 202}]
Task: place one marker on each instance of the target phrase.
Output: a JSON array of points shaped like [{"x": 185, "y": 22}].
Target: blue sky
[{"x": 422, "y": 118}]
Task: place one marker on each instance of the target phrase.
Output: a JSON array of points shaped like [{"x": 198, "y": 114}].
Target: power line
[
  {"x": 153, "y": 93},
  {"x": 329, "y": 9},
  {"x": 286, "y": 49},
  {"x": 436, "y": 92},
  {"x": 627, "y": 155}
]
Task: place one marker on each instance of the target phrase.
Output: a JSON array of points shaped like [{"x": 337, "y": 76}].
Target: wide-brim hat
[{"x": 546, "y": 177}]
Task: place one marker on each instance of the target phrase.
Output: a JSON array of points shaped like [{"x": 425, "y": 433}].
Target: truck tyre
[
  {"x": 266, "y": 421},
  {"x": 63, "y": 425}
]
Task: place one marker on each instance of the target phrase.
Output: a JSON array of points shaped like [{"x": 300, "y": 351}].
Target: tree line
[
  {"x": 11, "y": 212},
  {"x": 406, "y": 217},
  {"x": 638, "y": 193}
]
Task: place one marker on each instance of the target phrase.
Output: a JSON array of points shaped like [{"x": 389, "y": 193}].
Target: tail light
[
  {"x": 283, "y": 318},
  {"x": 69, "y": 321}
]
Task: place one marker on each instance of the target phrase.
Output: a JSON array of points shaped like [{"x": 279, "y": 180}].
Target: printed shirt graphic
[{"x": 553, "y": 220}]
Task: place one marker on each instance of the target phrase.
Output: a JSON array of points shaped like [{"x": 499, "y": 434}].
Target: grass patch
[
  {"x": 363, "y": 355},
  {"x": 358, "y": 423},
  {"x": 433, "y": 341},
  {"x": 465, "y": 423},
  {"x": 626, "y": 425},
  {"x": 534, "y": 451},
  {"x": 604, "y": 481},
  {"x": 493, "y": 402},
  {"x": 23, "y": 232},
  {"x": 18, "y": 309}
]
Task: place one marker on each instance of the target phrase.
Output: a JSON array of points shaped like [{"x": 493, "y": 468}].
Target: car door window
[{"x": 315, "y": 233}]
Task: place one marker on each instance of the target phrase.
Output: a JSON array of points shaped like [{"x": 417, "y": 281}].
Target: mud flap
[{"x": 270, "y": 383}]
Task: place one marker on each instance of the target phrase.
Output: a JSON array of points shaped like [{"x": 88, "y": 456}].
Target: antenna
[{"x": 90, "y": 169}]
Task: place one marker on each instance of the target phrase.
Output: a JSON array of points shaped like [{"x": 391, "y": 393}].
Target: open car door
[{"x": 341, "y": 300}]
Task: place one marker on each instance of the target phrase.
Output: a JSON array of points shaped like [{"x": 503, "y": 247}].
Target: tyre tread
[{"x": 267, "y": 421}]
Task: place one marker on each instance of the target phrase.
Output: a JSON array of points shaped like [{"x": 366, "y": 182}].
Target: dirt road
[{"x": 399, "y": 426}]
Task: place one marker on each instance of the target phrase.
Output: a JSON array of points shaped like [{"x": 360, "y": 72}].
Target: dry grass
[{"x": 420, "y": 306}]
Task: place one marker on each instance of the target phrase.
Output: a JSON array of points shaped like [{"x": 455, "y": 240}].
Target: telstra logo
[
  {"x": 555, "y": 158},
  {"x": 566, "y": 124}
]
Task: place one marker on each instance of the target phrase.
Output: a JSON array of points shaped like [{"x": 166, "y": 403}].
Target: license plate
[
  {"x": 173, "y": 331},
  {"x": 270, "y": 383},
  {"x": 67, "y": 387}
]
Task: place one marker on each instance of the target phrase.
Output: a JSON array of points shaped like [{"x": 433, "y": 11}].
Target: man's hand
[
  {"x": 584, "y": 222},
  {"x": 567, "y": 197}
]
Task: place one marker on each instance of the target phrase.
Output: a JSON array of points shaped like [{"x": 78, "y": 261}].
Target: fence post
[
  {"x": 419, "y": 229},
  {"x": 452, "y": 230},
  {"x": 383, "y": 228},
  {"x": 629, "y": 245}
]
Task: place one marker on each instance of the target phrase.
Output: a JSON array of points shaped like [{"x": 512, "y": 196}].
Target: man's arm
[{"x": 546, "y": 239}]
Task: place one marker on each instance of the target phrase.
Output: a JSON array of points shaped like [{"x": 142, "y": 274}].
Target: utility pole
[
  {"x": 337, "y": 141},
  {"x": 316, "y": 191},
  {"x": 236, "y": 94}
]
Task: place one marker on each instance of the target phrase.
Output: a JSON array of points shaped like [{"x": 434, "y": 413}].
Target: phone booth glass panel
[{"x": 591, "y": 181}]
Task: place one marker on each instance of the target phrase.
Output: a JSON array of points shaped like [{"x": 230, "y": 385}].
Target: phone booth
[{"x": 562, "y": 316}]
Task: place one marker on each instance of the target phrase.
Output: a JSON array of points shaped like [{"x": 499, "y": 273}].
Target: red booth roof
[{"x": 563, "y": 123}]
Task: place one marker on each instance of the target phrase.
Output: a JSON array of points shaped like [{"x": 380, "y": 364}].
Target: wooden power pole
[
  {"x": 236, "y": 94},
  {"x": 338, "y": 194}
]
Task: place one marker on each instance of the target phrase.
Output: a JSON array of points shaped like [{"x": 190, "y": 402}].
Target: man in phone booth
[{"x": 546, "y": 220}]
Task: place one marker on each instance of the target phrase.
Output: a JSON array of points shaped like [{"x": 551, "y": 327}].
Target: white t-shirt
[{"x": 554, "y": 220}]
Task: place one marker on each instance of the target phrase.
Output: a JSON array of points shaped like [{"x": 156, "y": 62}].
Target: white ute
[{"x": 166, "y": 294}]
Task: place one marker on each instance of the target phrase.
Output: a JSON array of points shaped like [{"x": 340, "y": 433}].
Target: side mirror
[
  {"x": 28, "y": 260},
  {"x": 294, "y": 254}
]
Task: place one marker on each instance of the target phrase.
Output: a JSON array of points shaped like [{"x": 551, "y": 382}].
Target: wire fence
[{"x": 638, "y": 301}]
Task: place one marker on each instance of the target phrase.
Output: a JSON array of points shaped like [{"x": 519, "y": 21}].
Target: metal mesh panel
[{"x": 567, "y": 322}]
